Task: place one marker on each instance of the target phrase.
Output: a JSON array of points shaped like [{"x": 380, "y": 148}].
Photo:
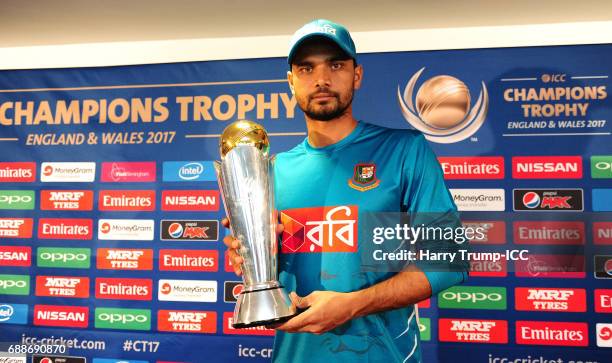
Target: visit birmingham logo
[{"x": 441, "y": 108}]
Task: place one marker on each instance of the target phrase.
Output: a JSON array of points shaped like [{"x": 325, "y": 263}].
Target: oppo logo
[
  {"x": 471, "y": 296},
  {"x": 7, "y": 284},
  {"x": 123, "y": 318},
  {"x": 11, "y": 199},
  {"x": 64, "y": 257},
  {"x": 604, "y": 166}
]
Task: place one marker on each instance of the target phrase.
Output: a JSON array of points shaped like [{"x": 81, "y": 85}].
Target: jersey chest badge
[{"x": 364, "y": 177}]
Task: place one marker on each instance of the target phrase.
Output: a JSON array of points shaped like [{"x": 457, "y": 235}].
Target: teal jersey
[{"x": 320, "y": 194}]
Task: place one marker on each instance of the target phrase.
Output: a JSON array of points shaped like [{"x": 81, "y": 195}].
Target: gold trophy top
[{"x": 244, "y": 132}]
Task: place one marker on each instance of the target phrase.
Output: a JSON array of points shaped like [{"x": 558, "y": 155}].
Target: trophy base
[{"x": 263, "y": 307}]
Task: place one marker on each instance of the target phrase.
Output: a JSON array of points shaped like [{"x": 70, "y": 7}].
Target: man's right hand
[{"x": 233, "y": 245}]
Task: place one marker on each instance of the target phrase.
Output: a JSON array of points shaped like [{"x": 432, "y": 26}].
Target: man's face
[{"x": 323, "y": 80}]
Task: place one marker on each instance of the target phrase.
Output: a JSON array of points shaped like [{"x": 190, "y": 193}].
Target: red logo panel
[
  {"x": 494, "y": 232},
  {"x": 472, "y": 167},
  {"x": 547, "y": 167},
  {"x": 124, "y": 289},
  {"x": 126, "y": 200},
  {"x": 65, "y": 228},
  {"x": 63, "y": 316},
  {"x": 128, "y": 172},
  {"x": 16, "y": 227},
  {"x": 549, "y": 232},
  {"x": 62, "y": 286},
  {"x": 602, "y": 233},
  {"x": 603, "y": 300},
  {"x": 320, "y": 229},
  {"x": 18, "y": 172},
  {"x": 66, "y": 200},
  {"x": 552, "y": 333},
  {"x": 187, "y": 321},
  {"x": 124, "y": 259},
  {"x": 554, "y": 266},
  {"x": 550, "y": 299},
  {"x": 483, "y": 268},
  {"x": 258, "y": 330},
  {"x": 473, "y": 331},
  {"x": 15, "y": 256},
  {"x": 190, "y": 200},
  {"x": 189, "y": 260}
]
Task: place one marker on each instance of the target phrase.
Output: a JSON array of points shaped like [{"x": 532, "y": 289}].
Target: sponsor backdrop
[{"x": 110, "y": 242}]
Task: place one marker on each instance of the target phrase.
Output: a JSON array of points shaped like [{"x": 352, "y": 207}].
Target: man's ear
[
  {"x": 290, "y": 81},
  {"x": 358, "y": 76}
]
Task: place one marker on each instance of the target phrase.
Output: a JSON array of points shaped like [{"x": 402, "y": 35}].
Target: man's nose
[{"x": 323, "y": 76}]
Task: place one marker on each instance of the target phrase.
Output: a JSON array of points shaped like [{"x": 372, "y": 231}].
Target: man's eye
[
  {"x": 306, "y": 69},
  {"x": 336, "y": 65}
]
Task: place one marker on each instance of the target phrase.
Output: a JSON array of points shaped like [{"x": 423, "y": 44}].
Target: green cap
[{"x": 326, "y": 29}]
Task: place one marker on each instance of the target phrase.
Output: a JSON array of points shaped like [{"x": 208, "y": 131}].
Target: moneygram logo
[
  {"x": 231, "y": 291},
  {"x": 320, "y": 229},
  {"x": 126, "y": 229},
  {"x": 547, "y": 167},
  {"x": 602, "y": 233},
  {"x": 124, "y": 259},
  {"x": 603, "y": 300},
  {"x": 190, "y": 200},
  {"x": 62, "y": 286},
  {"x": 604, "y": 335},
  {"x": 494, "y": 231},
  {"x": 549, "y": 232},
  {"x": 603, "y": 266},
  {"x": 124, "y": 289},
  {"x": 126, "y": 200},
  {"x": 194, "y": 230},
  {"x": 189, "y": 260},
  {"x": 187, "y": 290},
  {"x": 63, "y": 257},
  {"x": 548, "y": 200},
  {"x": 16, "y": 227},
  {"x": 550, "y": 299},
  {"x": 441, "y": 108},
  {"x": 133, "y": 172},
  {"x": 61, "y": 316},
  {"x": 68, "y": 172},
  {"x": 187, "y": 321},
  {"x": 472, "y": 167},
  {"x": 124, "y": 319},
  {"x": 473, "y": 297},
  {"x": 14, "y": 284},
  {"x": 479, "y": 199},
  {"x": 552, "y": 333},
  {"x": 18, "y": 256},
  {"x": 189, "y": 171},
  {"x": 13, "y": 313},
  {"x": 228, "y": 329},
  {"x": 473, "y": 331},
  {"x": 551, "y": 266},
  {"x": 17, "y": 199},
  {"x": 601, "y": 166},
  {"x": 483, "y": 268},
  {"x": 65, "y": 228},
  {"x": 66, "y": 200},
  {"x": 18, "y": 172}
]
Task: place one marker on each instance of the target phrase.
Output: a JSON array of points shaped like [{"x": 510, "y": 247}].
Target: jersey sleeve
[{"x": 430, "y": 204}]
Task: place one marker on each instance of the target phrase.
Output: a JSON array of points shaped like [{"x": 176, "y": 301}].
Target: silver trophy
[{"x": 247, "y": 187}]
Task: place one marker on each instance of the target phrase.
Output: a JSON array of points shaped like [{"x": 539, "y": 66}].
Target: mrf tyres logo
[
  {"x": 550, "y": 299},
  {"x": 63, "y": 257},
  {"x": 66, "y": 200},
  {"x": 442, "y": 108},
  {"x": 62, "y": 286},
  {"x": 189, "y": 230},
  {"x": 124, "y": 259},
  {"x": 538, "y": 200},
  {"x": 187, "y": 321},
  {"x": 552, "y": 333},
  {"x": 16, "y": 227},
  {"x": 473, "y": 331},
  {"x": 123, "y": 319},
  {"x": 473, "y": 297}
]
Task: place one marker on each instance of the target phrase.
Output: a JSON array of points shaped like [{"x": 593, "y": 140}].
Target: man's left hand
[{"x": 325, "y": 310}]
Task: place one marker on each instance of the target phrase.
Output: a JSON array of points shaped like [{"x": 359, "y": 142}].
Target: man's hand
[
  {"x": 325, "y": 311},
  {"x": 233, "y": 245}
]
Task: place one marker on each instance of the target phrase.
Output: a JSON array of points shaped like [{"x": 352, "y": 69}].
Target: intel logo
[
  {"x": 6, "y": 311},
  {"x": 190, "y": 171}
]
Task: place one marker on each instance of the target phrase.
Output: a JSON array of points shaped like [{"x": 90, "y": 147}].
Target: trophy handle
[{"x": 217, "y": 166}]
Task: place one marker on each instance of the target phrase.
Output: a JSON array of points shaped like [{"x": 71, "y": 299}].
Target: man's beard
[{"x": 327, "y": 114}]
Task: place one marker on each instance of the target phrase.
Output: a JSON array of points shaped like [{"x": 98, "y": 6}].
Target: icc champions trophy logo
[{"x": 442, "y": 111}]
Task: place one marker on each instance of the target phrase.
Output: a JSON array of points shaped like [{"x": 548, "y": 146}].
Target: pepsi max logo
[
  {"x": 198, "y": 230},
  {"x": 232, "y": 289},
  {"x": 57, "y": 359},
  {"x": 603, "y": 266},
  {"x": 548, "y": 199}
]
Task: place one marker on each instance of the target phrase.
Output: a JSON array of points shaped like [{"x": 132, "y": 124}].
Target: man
[{"x": 346, "y": 167}]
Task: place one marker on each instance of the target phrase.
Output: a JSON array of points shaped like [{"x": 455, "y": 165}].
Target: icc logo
[{"x": 441, "y": 109}]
